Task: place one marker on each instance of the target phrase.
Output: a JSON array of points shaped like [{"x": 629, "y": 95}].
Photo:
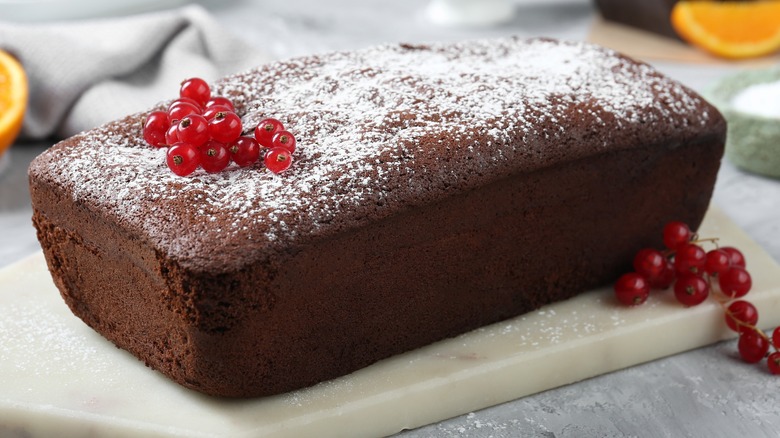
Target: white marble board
[{"x": 59, "y": 378}]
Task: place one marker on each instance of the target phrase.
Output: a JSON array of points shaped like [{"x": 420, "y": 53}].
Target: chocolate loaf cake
[{"x": 436, "y": 189}]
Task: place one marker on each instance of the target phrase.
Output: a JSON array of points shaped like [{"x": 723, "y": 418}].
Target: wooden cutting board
[
  {"x": 59, "y": 378},
  {"x": 650, "y": 47}
]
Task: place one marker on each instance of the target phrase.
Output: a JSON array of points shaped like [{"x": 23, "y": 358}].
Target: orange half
[
  {"x": 731, "y": 29},
  {"x": 13, "y": 99}
]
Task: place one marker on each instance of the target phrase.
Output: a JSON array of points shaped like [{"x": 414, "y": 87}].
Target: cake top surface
[{"x": 379, "y": 130}]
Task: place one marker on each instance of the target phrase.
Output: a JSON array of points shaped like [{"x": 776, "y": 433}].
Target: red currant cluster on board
[
  {"x": 204, "y": 131},
  {"x": 697, "y": 274}
]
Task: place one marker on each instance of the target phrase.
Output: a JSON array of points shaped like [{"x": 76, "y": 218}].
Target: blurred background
[{"x": 76, "y": 64}]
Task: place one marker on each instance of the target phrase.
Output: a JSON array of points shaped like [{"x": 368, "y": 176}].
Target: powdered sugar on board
[{"x": 378, "y": 130}]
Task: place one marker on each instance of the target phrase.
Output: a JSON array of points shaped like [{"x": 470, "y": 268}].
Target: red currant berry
[
  {"x": 773, "y": 362},
  {"x": 172, "y": 134},
  {"x": 214, "y": 156},
  {"x": 181, "y": 110},
  {"x": 776, "y": 338},
  {"x": 666, "y": 278},
  {"x": 196, "y": 89},
  {"x": 737, "y": 259},
  {"x": 185, "y": 100},
  {"x": 649, "y": 263},
  {"x": 689, "y": 259},
  {"x": 194, "y": 129},
  {"x": 283, "y": 139},
  {"x": 264, "y": 133},
  {"x": 752, "y": 346},
  {"x": 675, "y": 234},
  {"x": 632, "y": 289},
  {"x": 225, "y": 127},
  {"x": 735, "y": 282},
  {"x": 717, "y": 262},
  {"x": 740, "y": 315},
  {"x": 213, "y": 110},
  {"x": 244, "y": 151},
  {"x": 277, "y": 160},
  {"x": 183, "y": 158},
  {"x": 691, "y": 290},
  {"x": 223, "y": 101},
  {"x": 155, "y": 126}
]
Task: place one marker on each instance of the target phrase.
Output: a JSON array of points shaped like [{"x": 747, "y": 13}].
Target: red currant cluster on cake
[
  {"x": 204, "y": 131},
  {"x": 697, "y": 274}
]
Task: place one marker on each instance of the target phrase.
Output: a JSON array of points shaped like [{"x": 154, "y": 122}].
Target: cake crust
[{"x": 437, "y": 189}]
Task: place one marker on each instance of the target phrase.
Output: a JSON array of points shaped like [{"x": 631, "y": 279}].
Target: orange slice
[
  {"x": 731, "y": 29},
  {"x": 13, "y": 99}
]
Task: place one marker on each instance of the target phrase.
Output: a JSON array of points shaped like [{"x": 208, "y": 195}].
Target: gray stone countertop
[{"x": 705, "y": 392}]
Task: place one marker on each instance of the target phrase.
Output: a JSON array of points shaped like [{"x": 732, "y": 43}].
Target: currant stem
[
  {"x": 709, "y": 239},
  {"x": 724, "y": 304},
  {"x": 757, "y": 330},
  {"x": 726, "y": 300}
]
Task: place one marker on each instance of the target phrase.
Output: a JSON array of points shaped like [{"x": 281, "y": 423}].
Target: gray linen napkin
[{"x": 83, "y": 74}]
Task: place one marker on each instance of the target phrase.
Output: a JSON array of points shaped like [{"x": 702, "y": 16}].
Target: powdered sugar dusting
[{"x": 378, "y": 130}]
